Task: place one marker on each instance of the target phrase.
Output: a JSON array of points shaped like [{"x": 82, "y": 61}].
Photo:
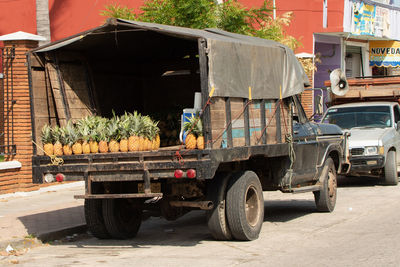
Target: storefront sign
[
  {"x": 382, "y": 22},
  {"x": 363, "y": 22},
  {"x": 384, "y": 53}
]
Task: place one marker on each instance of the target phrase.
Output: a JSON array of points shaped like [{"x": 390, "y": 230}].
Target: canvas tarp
[{"x": 235, "y": 62}]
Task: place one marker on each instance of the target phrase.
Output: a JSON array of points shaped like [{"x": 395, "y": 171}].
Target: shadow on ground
[
  {"x": 49, "y": 225},
  {"x": 191, "y": 229},
  {"x": 359, "y": 181}
]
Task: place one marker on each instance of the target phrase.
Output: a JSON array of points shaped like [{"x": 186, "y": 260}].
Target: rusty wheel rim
[
  {"x": 332, "y": 185},
  {"x": 252, "y": 206}
]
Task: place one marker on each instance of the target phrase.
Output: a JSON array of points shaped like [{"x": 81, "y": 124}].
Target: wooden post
[{"x": 204, "y": 92}]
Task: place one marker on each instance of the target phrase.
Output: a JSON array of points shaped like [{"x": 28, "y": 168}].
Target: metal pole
[{"x": 274, "y": 10}]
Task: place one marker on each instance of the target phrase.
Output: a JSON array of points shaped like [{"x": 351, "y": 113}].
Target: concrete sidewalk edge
[{"x": 44, "y": 189}]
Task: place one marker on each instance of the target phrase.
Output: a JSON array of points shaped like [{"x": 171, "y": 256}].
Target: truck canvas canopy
[{"x": 235, "y": 62}]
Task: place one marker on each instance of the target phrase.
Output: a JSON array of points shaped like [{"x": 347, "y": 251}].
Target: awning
[{"x": 384, "y": 53}]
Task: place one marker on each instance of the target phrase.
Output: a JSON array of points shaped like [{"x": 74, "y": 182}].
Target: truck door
[{"x": 305, "y": 145}]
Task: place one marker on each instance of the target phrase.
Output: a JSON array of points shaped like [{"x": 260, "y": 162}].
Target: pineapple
[
  {"x": 199, "y": 133},
  {"x": 155, "y": 137},
  {"x": 47, "y": 140},
  {"x": 147, "y": 133},
  {"x": 103, "y": 137},
  {"x": 66, "y": 139},
  {"x": 189, "y": 127},
  {"x": 124, "y": 125},
  {"x": 58, "y": 148},
  {"x": 113, "y": 134},
  {"x": 76, "y": 139},
  {"x": 84, "y": 130},
  {"x": 141, "y": 143},
  {"x": 135, "y": 125},
  {"x": 95, "y": 127}
]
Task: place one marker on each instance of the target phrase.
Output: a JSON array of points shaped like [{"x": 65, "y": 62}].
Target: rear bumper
[{"x": 366, "y": 163}]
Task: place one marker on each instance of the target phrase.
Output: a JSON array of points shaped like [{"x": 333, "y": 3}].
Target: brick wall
[
  {"x": 307, "y": 96},
  {"x": 19, "y": 179}
]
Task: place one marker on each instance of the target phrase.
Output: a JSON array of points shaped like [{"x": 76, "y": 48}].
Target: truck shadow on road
[
  {"x": 359, "y": 181},
  {"x": 191, "y": 229}
]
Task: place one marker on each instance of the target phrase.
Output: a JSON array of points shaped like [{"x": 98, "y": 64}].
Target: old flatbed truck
[{"x": 256, "y": 133}]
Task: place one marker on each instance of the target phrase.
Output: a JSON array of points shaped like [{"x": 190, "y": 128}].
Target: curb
[
  {"x": 44, "y": 189},
  {"x": 23, "y": 243}
]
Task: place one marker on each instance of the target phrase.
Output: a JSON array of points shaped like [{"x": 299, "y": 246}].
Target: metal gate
[{"x": 7, "y": 145}]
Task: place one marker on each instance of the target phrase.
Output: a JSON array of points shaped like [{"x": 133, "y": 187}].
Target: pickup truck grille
[{"x": 357, "y": 151}]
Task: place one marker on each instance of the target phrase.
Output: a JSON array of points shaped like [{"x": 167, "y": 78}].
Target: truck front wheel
[
  {"x": 245, "y": 205},
  {"x": 122, "y": 217},
  {"x": 325, "y": 199},
  {"x": 94, "y": 218},
  {"x": 391, "y": 169}
]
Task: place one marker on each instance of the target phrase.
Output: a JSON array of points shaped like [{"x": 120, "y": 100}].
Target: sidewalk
[{"x": 47, "y": 214}]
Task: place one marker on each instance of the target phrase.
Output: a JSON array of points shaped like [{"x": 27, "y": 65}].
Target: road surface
[{"x": 362, "y": 231}]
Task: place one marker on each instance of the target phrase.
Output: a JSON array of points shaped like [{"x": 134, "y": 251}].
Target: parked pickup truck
[
  {"x": 374, "y": 126},
  {"x": 257, "y": 136}
]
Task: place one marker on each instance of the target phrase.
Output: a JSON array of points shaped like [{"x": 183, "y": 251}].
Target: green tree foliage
[{"x": 200, "y": 14}]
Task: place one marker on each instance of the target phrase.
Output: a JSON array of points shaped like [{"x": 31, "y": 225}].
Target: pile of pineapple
[
  {"x": 194, "y": 129},
  {"x": 129, "y": 132}
]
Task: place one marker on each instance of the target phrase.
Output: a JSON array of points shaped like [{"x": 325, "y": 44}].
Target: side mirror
[{"x": 318, "y": 105}]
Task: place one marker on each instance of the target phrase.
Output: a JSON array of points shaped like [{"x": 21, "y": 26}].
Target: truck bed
[{"x": 135, "y": 166}]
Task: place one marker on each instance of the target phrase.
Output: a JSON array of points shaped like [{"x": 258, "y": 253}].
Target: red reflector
[
  {"x": 191, "y": 173},
  {"x": 178, "y": 173},
  {"x": 59, "y": 177}
]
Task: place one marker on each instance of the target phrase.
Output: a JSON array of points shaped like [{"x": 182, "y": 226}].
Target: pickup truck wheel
[
  {"x": 325, "y": 199},
  {"x": 245, "y": 205},
  {"x": 216, "y": 218},
  {"x": 94, "y": 218},
  {"x": 122, "y": 217},
  {"x": 391, "y": 169}
]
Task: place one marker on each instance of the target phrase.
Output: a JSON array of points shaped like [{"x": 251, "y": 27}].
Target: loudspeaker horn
[{"x": 339, "y": 85}]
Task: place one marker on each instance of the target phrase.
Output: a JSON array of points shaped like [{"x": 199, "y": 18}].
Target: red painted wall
[
  {"x": 17, "y": 15},
  {"x": 69, "y": 17},
  {"x": 308, "y": 19}
]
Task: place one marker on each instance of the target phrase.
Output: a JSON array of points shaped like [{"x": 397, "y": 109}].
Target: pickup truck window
[{"x": 362, "y": 116}]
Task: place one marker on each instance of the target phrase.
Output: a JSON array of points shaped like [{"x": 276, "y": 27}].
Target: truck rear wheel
[
  {"x": 216, "y": 218},
  {"x": 391, "y": 169},
  {"x": 94, "y": 218},
  {"x": 325, "y": 199},
  {"x": 122, "y": 217},
  {"x": 245, "y": 206}
]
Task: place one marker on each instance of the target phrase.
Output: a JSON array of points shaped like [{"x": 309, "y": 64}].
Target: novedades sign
[{"x": 384, "y": 53}]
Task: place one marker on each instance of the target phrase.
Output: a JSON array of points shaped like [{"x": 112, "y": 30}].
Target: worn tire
[
  {"x": 245, "y": 206},
  {"x": 216, "y": 218},
  {"x": 325, "y": 200},
  {"x": 122, "y": 217},
  {"x": 94, "y": 218},
  {"x": 390, "y": 169}
]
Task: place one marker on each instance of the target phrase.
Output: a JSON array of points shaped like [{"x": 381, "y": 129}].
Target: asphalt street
[{"x": 362, "y": 231}]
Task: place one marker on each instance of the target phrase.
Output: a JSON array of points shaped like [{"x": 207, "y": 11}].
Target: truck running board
[
  {"x": 104, "y": 196},
  {"x": 311, "y": 188}
]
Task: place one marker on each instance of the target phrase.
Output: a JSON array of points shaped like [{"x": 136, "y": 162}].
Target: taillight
[
  {"x": 60, "y": 177},
  {"x": 191, "y": 173},
  {"x": 178, "y": 173}
]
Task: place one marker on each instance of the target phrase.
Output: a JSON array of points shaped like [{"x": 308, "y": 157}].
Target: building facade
[{"x": 358, "y": 36}]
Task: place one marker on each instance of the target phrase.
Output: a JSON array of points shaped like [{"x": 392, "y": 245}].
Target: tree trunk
[{"x": 43, "y": 20}]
